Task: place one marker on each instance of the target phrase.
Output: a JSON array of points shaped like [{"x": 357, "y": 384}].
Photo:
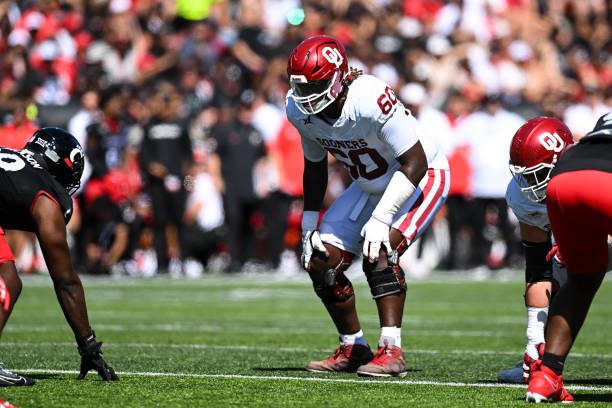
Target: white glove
[
  {"x": 375, "y": 234},
  {"x": 311, "y": 241}
]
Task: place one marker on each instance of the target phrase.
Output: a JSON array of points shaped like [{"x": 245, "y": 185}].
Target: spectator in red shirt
[{"x": 17, "y": 131}]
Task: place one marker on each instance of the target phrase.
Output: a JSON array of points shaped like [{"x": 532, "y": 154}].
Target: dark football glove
[{"x": 91, "y": 359}]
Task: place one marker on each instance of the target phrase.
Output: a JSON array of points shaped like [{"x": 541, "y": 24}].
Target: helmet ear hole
[{"x": 61, "y": 154}]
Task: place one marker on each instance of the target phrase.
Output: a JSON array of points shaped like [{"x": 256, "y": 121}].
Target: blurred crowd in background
[{"x": 192, "y": 165}]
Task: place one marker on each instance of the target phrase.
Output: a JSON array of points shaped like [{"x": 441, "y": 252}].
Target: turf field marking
[
  {"x": 318, "y": 379},
  {"x": 284, "y": 349}
]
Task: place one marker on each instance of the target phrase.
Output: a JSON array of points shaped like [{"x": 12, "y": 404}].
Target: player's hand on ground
[
  {"x": 312, "y": 245},
  {"x": 91, "y": 359},
  {"x": 94, "y": 361},
  {"x": 375, "y": 235}
]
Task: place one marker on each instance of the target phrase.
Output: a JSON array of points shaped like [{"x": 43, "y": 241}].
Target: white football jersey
[
  {"x": 373, "y": 129},
  {"x": 526, "y": 211}
]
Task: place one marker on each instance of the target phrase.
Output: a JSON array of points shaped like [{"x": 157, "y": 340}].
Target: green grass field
[{"x": 243, "y": 341}]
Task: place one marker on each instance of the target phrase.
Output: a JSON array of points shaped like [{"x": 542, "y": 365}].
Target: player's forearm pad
[{"x": 396, "y": 194}]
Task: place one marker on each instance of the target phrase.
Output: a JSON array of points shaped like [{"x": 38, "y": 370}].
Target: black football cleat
[{"x": 10, "y": 379}]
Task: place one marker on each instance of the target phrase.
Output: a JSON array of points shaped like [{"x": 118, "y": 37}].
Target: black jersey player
[{"x": 35, "y": 188}]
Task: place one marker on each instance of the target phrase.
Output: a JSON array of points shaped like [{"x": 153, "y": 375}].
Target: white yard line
[
  {"x": 319, "y": 379},
  {"x": 285, "y": 349}
]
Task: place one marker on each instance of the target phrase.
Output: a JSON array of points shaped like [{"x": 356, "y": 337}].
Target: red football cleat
[
  {"x": 6, "y": 404},
  {"x": 546, "y": 386},
  {"x": 388, "y": 362},
  {"x": 346, "y": 358},
  {"x": 529, "y": 363}
]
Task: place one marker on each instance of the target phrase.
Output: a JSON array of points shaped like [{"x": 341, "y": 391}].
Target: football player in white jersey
[
  {"x": 534, "y": 151},
  {"x": 400, "y": 181}
]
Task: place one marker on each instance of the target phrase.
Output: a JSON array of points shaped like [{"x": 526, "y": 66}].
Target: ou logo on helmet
[
  {"x": 552, "y": 142},
  {"x": 333, "y": 56}
]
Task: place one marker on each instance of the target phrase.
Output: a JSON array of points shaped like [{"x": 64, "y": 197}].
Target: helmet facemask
[
  {"x": 532, "y": 181},
  {"x": 313, "y": 97},
  {"x": 72, "y": 182},
  {"x": 534, "y": 152},
  {"x": 316, "y": 69}
]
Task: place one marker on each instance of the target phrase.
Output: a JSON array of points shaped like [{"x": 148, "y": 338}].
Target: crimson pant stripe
[{"x": 421, "y": 215}]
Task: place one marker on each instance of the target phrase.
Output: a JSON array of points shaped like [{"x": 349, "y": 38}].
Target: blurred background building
[{"x": 192, "y": 165}]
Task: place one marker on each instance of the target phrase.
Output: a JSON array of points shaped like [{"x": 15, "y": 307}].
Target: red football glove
[
  {"x": 556, "y": 254},
  {"x": 5, "y": 296}
]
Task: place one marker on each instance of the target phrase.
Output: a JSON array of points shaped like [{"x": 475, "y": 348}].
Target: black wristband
[
  {"x": 88, "y": 345},
  {"x": 88, "y": 339}
]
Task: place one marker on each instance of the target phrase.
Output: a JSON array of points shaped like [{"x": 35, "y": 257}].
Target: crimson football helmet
[
  {"x": 62, "y": 155},
  {"x": 534, "y": 152},
  {"x": 316, "y": 70}
]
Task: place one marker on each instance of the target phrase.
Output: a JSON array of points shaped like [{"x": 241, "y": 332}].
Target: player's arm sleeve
[
  {"x": 315, "y": 183},
  {"x": 400, "y": 131}
]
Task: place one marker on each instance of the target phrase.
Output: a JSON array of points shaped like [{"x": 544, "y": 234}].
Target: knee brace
[
  {"x": 386, "y": 281},
  {"x": 537, "y": 268},
  {"x": 332, "y": 286}
]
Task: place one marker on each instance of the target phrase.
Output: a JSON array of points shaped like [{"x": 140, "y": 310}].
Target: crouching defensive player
[
  {"x": 35, "y": 188},
  {"x": 579, "y": 205}
]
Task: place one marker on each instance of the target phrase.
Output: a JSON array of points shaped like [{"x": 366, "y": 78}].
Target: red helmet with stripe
[
  {"x": 316, "y": 69},
  {"x": 534, "y": 152}
]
